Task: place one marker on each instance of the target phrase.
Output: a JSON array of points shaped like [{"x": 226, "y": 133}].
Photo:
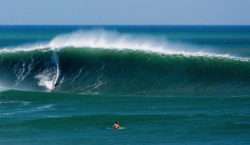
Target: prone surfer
[{"x": 116, "y": 125}]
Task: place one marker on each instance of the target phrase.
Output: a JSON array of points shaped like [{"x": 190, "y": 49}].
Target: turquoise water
[
  {"x": 41, "y": 118},
  {"x": 175, "y": 85}
]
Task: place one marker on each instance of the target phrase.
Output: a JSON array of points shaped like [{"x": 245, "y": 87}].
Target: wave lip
[
  {"x": 102, "y": 39},
  {"x": 113, "y": 40},
  {"x": 106, "y": 62}
]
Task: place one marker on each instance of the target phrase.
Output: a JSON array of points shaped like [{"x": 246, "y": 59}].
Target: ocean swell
[{"x": 102, "y": 62}]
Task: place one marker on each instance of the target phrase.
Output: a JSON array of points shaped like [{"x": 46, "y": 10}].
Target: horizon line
[{"x": 124, "y": 24}]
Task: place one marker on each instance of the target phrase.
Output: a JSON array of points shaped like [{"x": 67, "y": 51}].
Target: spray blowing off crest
[
  {"x": 77, "y": 70},
  {"x": 102, "y": 39}
]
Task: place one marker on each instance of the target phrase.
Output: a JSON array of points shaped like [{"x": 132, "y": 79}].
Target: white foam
[
  {"x": 23, "y": 72},
  {"x": 47, "y": 79},
  {"x": 25, "y": 48},
  {"x": 102, "y": 39}
]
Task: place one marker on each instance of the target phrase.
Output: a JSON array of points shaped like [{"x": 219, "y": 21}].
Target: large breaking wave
[{"x": 112, "y": 63}]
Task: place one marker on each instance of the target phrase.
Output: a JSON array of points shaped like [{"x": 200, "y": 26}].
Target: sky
[{"x": 125, "y": 12}]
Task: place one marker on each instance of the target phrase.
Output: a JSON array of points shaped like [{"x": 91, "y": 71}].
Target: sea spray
[
  {"x": 48, "y": 78},
  {"x": 102, "y": 39},
  {"x": 114, "y": 63}
]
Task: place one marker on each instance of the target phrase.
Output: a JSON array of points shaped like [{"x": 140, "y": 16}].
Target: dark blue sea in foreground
[{"x": 167, "y": 85}]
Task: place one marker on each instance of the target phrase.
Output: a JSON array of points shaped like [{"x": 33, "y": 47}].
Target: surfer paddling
[{"x": 117, "y": 125}]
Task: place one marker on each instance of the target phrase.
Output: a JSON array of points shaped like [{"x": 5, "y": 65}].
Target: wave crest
[
  {"x": 102, "y": 39},
  {"x": 98, "y": 62}
]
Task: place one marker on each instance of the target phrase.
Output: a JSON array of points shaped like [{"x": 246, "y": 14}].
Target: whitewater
[
  {"x": 51, "y": 74},
  {"x": 102, "y": 39},
  {"x": 174, "y": 85}
]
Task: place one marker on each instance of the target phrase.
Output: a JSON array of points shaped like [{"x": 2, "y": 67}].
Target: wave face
[{"x": 105, "y": 62}]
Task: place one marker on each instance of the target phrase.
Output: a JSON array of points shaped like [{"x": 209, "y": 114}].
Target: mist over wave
[
  {"x": 109, "y": 62},
  {"x": 102, "y": 39}
]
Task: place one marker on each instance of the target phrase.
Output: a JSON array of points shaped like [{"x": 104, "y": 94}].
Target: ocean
[{"x": 166, "y": 85}]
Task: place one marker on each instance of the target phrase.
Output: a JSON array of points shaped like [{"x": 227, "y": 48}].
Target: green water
[
  {"x": 42, "y": 118},
  {"x": 167, "y": 85}
]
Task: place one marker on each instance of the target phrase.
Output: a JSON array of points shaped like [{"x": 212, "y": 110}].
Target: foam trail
[
  {"x": 56, "y": 60},
  {"x": 22, "y": 71},
  {"x": 45, "y": 80},
  {"x": 27, "y": 111},
  {"x": 103, "y": 39},
  {"x": 49, "y": 77}
]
